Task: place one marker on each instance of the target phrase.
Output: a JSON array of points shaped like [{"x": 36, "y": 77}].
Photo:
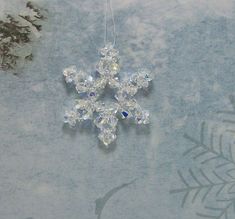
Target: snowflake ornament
[{"x": 90, "y": 88}]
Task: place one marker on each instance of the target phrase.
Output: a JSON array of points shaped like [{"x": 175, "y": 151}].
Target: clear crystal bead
[
  {"x": 142, "y": 117},
  {"x": 121, "y": 96},
  {"x": 84, "y": 85},
  {"x": 109, "y": 51},
  {"x": 112, "y": 120},
  {"x": 114, "y": 67},
  {"x": 70, "y": 118},
  {"x": 100, "y": 83},
  {"x": 131, "y": 104},
  {"x": 114, "y": 82},
  {"x": 87, "y": 114},
  {"x": 104, "y": 122},
  {"x": 70, "y": 73},
  {"x": 142, "y": 78},
  {"x": 107, "y": 66},
  {"x": 129, "y": 88},
  {"x": 81, "y": 104},
  {"x": 107, "y": 137}
]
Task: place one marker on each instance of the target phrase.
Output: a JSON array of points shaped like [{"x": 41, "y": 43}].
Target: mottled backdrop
[{"x": 182, "y": 166}]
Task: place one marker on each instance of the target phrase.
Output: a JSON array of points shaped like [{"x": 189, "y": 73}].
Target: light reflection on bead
[{"x": 114, "y": 67}]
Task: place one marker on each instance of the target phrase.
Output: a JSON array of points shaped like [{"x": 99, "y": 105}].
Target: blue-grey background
[{"x": 50, "y": 172}]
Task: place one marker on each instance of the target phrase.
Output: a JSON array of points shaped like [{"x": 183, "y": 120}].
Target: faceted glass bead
[
  {"x": 131, "y": 104},
  {"x": 114, "y": 82},
  {"x": 107, "y": 67},
  {"x": 112, "y": 120},
  {"x": 100, "y": 83},
  {"x": 109, "y": 51},
  {"x": 114, "y": 67},
  {"x": 125, "y": 114},
  {"x": 121, "y": 96},
  {"x": 107, "y": 137},
  {"x": 70, "y": 118},
  {"x": 87, "y": 115},
  {"x": 85, "y": 85},
  {"x": 69, "y": 74},
  {"x": 130, "y": 89},
  {"x": 141, "y": 79},
  {"x": 142, "y": 117},
  {"x": 106, "y": 122},
  {"x": 81, "y": 104}
]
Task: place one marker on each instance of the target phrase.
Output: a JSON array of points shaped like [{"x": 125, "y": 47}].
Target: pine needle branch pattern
[
  {"x": 16, "y": 33},
  {"x": 210, "y": 187}
]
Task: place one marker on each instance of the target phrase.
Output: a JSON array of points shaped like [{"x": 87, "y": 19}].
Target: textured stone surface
[{"x": 50, "y": 172}]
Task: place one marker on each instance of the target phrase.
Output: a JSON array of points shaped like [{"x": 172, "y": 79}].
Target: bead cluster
[{"x": 88, "y": 106}]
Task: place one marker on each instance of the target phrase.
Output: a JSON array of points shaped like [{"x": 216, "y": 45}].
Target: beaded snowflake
[{"x": 90, "y": 89}]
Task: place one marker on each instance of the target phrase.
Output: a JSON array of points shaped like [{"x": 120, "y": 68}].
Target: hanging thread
[{"x": 109, "y": 6}]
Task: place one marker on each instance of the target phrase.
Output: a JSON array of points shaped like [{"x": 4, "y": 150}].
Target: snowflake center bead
[{"x": 90, "y": 88}]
